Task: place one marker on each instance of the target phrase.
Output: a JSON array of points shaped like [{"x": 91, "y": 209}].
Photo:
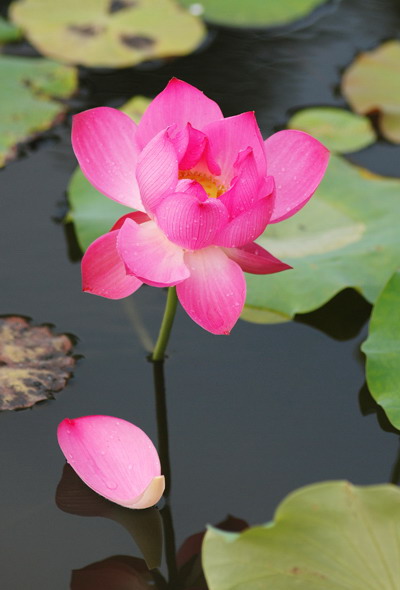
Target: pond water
[{"x": 251, "y": 416}]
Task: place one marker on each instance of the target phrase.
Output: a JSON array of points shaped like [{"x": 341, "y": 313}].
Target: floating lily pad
[
  {"x": 92, "y": 213},
  {"x": 34, "y": 363},
  {"x": 9, "y": 32},
  {"x": 324, "y": 537},
  {"x": 256, "y": 13},
  {"x": 27, "y": 92},
  {"x": 339, "y": 130},
  {"x": 383, "y": 350},
  {"x": 347, "y": 236},
  {"x": 372, "y": 84},
  {"x": 108, "y": 33}
]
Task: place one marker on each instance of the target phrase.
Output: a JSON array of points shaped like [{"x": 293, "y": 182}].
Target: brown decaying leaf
[{"x": 34, "y": 362}]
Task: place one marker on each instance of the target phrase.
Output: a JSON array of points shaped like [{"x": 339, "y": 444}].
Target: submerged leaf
[
  {"x": 324, "y": 537},
  {"x": 27, "y": 92},
  {"x": 105, "y": 33},
  {"x": 339, "y": 130},
  {"x": 383, "y": 350},
  {"x": 347, "y": 236},
  {"x": 372, "y": 84},
  {"x": 34, "y": 363},
  {"x": 120, "y": 572},
  {"x": 257, "y": 13}
]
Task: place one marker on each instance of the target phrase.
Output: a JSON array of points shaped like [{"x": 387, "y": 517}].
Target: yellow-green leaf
[
  {"x": 327, "y": 536},
  {"x": 372, "y": 84},
  {"x": 339, "y": 130},
  {"x": 108, "y": 33}
]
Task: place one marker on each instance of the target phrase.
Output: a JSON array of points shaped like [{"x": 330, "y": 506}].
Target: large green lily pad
[
  {"x": 383, "y": 350},
  {"x": 92, "y": 213},
  {"x": 327, "y": 536},
  {"x": 108, "y": 33},
  {"x": 347, "y": 236},
  {"x": 27, "y": 97},
  {"x": 339, "y": 130},
  {"x": 256, "y": 13},
  {"x": 372, "y": 84}
]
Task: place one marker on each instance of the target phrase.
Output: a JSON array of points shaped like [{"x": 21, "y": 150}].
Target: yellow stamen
[{"x": 209, "y": 183}]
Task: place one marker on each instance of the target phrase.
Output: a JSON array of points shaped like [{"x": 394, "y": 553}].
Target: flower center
[{"x": 209, "y": 183}]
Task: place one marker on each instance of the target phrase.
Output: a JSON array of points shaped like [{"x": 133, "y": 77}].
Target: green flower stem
[
  {"x": 166, "y": 325},
  {"x": 163, "y": 449}
]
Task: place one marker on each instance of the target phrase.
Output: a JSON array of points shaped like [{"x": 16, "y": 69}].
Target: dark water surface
[{"x": 251, "y": 416}]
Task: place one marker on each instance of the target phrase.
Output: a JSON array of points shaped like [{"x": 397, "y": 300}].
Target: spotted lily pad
[
  {"x": 34, "y": 363},
  {"x": 108, "y": 33},
  {"x": 92, "y": 213},
  {"x": 347, "y": 236},
  {"x": 9, "y": 32},
  {"x": 371, "y": 84},
  {"x": 256, "y": 13},
  {"x": 324, "y": 537},
  {"x": 339, "y": 130},
  {"x": 383, "y": 350},
  {"x": 27, "y": 97}
]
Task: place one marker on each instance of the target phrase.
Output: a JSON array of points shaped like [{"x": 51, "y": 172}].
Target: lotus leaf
[
  {"x": 9, "y": 32},
  {"x": 324, "y": 537},
  {"x": 372, "y": 84},
  {"x": 339, "y": 130},
  {"x": 256, "y": 13},
  {"x": 383, "y": 350},
  {"x": 29, "y": 87},
  {"x": 347, "y": 236},
  {"x": 108, "y": 33},
  {"x": 34, "y": 363}
]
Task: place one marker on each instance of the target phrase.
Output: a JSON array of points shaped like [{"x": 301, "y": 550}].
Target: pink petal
[
  {"x": 103, "y": 271},
  {"x": 194, "y": 148},
  {"x": 189, "y": 222},
  {"x": 214, "y": 294},
  {"x": 149, "y": 255},
  {"x": 137, "y": 216},
  {"x": 248, "y": 187},
  {"x": 178, "y": 103},
  {"x": 113, "y": 457},
  {"x": 297, "y": 162},
  {"x": 104, "y": 142},
  {"x": 192, "y": 188},
  {"x": 230, "y": 136},
  {"x": 157, "y": 171},
  {"x": 247, "y": 226},
  {"x": 254, "y": 259}
]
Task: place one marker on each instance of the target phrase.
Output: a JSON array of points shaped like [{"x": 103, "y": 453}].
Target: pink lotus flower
[
  {"x": 204, "y": 188},
  {"x": 114, "y": 458}
]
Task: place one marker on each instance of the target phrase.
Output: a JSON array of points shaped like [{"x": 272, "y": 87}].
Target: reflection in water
[
  {"x": 122, "y": 572},
  {"x": 119, "y": 572},
  {"x": 74, "y": 497}
]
